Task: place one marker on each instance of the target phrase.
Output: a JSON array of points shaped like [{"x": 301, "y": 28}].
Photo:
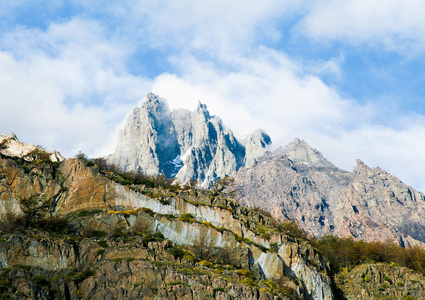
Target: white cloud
[
  {"x": 211, "y": 27},
  {"x": 65, "y": 88},
  {"x": 397, "y": 24},
  {"x": 269, "y": 91},
  {"x": 275, "y": 94},
  {"x": 68, "y": 87}
]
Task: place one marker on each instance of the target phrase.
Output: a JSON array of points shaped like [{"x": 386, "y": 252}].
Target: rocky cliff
[
  {"x": 187, "y": 145},
  {"x": 131, "y": 241},
  {"x": 381, "y": 281},
  {"x": 298, "y": 183},
  {"x": 14, "y": 147}
]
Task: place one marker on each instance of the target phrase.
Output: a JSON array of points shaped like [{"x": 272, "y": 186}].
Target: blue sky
[{"x": 346, "y": 76}]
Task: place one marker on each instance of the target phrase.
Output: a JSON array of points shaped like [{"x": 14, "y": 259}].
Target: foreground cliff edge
[
  {"x": 76, "y": 230},
  {"x": 99, "y": 238}
]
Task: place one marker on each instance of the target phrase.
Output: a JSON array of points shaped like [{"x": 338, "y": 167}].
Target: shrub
[
  {"x": 274, "y": 247},
  {"x": 40, "y": 280},
  {"x": 147, "y": 238},
  {"x": 206, "y": 263},
  {"x": 84, "y": 213},
  {"x": 176, "y": 251},
  {"x": 10, "y": 222},
  {"x": 34, "y": 209},
  {"x": 141, "y": 225},
  {"x": 38, "y": 155},
  {"x": 4, "y": 144},
  {"x": 248, "y": 281},
  {"x": 103, "y": 244},
  {"x": 187, "y": 218},
  {"x": 84, "y": 275},
  {"x": 291, "y": 228},
  {"x": 158, "y": 236},
  {"x": 246, "y": 273},
  {"x": 201, "y": 248}
]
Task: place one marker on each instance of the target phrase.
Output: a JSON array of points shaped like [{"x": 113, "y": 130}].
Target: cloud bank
[{"x": 70, "y": 76}]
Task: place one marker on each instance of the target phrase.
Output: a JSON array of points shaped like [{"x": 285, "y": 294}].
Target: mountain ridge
[
  {"x": 368, "y": 203},
  {"x": 187, "y": 145}
]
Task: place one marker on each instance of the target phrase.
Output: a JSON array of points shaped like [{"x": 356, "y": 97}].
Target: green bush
[
  {"x": 84, "y": 213},
  {"x": 103, "y": 244},
  {"x": 158, "y": 236},
  {"x": 40, "y": 280},
  {"x": 176, "y": 251},
  {"x": 274, "y": 247},
  {"x": 187, "y": 218}
]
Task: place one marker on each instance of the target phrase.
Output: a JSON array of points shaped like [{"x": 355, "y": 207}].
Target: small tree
[
  {"x": 38, "y": 154},
  {"x": 82, "y": 156},
  {"x": 201, "y": 248},
  {"x": 4, "y": 144},
  {"x": 35, "y": 209},
  {"x": 9, "y": 222},
  {"x": 100, "y": 162},
  {"x": 222, "y": 184}
]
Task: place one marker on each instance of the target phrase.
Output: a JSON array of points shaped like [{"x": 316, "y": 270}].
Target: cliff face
[
  {"x": 297, "y": 182},
  {"x": 131, "y": 251},
  {"x": 187, "y": 145}
]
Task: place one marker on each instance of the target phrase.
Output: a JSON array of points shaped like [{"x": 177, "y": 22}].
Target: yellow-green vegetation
[
  {"x": 348, "y": 253},
  {"x": 125, "y": 212}
]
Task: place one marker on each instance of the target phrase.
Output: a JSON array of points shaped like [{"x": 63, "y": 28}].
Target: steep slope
[
  {"x": 128, "y": 241},
  {"x": 380, "y": 281},
  {"x": 187, "y": 145},
  {"x": 298, "y": 183}
]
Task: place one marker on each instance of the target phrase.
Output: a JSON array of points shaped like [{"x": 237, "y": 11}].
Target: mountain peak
[
  {"x": 302, "y": 153},
  {"x": 202, "y": 108},
  {"x": 187, "y": 145}
]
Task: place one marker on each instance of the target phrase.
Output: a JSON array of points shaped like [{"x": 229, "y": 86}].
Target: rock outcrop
[
  {"x": 381, "y": 281},
  {"x": 16, "y": 148},
  {"x": 298, "y": 183},
  {"x": 187, "y": 145}
]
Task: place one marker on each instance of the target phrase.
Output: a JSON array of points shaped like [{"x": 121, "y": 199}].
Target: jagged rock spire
[{"x": 187, "y": 145}]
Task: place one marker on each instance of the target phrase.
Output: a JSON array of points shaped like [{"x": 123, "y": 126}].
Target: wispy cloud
[
  {"x": 66, "y": 86},
  {"x": 397, "y": 25}
]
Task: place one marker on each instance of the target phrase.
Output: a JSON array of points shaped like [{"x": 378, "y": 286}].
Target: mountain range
[
  {"x": 293, "y": 182},
  {"x": 82, "y": 228}
]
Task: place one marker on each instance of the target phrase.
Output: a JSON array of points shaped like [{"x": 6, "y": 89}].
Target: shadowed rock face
[
  {"x": 297, "y": 182},
  {"x": 187, "y": 145}
]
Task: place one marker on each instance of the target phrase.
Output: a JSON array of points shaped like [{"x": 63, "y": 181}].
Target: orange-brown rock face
[
  {"x": 18, "y": 181},
  {"x": 84, "y": 188},
  {"x": 71, "y": 185}
]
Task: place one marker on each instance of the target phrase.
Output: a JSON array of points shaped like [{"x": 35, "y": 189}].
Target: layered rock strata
[{"x": 74, "y": 187}]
